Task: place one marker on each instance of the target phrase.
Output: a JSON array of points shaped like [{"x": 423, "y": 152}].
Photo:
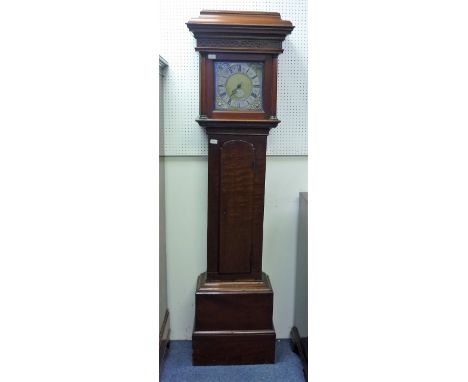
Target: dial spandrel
[{"x": 238, "y": 85}]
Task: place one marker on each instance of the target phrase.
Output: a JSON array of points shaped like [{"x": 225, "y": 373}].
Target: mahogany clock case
[{"x": 234, "y": 298}]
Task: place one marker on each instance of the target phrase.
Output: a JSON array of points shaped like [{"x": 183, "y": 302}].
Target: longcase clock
[{"x": 238, "y": 75}]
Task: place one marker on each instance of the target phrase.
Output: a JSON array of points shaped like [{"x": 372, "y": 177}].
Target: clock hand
[{"x": 235, "y": 90}]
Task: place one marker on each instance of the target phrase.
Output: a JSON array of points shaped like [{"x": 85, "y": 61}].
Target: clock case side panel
[
  {"x": 201, "y": 87},
  {"x": 216, "y": 219},
  {"x": 207, "y": 88}
]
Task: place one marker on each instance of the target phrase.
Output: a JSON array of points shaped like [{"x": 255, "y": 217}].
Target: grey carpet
[{"x": 177, "y": 367}]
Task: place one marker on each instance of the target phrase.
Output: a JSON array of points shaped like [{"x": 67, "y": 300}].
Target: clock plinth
[
  {"x": 238, "y": 73},
  {"x": 233, "y": 322}
]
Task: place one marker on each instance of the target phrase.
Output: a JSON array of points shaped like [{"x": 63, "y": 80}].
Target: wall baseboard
[
  {"x": 164, "y": 337},
  {"x": 299, "y": 348}
]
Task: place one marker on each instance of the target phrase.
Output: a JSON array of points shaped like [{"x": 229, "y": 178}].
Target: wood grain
[
  {"x": 237, "y": 183},
  {"x": 236, "y": 186}
]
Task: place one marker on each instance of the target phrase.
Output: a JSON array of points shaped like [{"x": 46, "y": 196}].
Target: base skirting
[{"x": 233, "y": 347}]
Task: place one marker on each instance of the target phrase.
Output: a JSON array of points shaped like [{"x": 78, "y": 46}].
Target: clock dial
[{"x": 239, "y": 85}]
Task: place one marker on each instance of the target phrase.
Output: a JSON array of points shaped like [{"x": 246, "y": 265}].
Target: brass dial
[{"x": 238, "y": 85}]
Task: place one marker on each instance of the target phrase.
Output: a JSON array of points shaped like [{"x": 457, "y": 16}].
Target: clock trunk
[{"x": 236, "y": 186}]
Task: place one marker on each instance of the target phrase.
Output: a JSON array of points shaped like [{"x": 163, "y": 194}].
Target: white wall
[{"x": 186, "y": 219}]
